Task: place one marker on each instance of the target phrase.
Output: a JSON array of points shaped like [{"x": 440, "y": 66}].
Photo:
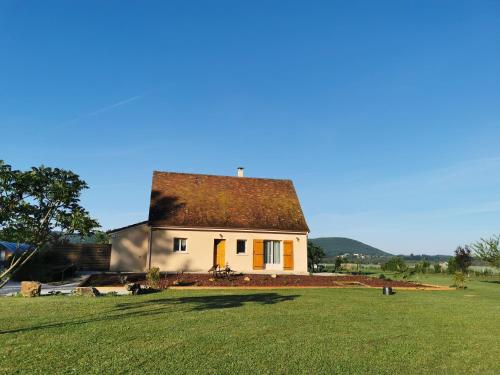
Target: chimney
[{"x": 240, "y": 171}]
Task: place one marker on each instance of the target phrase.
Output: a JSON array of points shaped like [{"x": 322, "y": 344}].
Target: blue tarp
[{"x": 13, "y": 247}]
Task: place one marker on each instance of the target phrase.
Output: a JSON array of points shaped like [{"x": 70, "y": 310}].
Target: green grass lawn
[{"x": 308, "y": 331}]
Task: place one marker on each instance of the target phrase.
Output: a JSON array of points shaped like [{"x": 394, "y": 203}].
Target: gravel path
[{"x": 14, "y": 287}]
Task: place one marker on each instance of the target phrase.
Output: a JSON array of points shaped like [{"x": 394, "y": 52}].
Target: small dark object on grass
[
  {"x": 137, "y": 289},
  {"x": 387, "y": 291}
]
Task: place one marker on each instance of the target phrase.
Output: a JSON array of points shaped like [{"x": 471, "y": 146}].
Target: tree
[
  {"x": 39, "y": 206},
  {"x": 314, "y": 255},
  {"x": 488, "y": 250},
  {"x": 101, "y": 237},
  {"x": 396, "y": 264},
  {"x": 338, "y": 264},
  {"x": 423, "y": 266},
  {"x": 463, "y": 259},
  {"x": 452, "y": 265}
]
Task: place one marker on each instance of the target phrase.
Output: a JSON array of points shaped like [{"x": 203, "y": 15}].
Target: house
[{"x": 197, "y": 221}]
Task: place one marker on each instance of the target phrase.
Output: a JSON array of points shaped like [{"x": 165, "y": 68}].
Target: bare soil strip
[{"x": 254, "y": 281}]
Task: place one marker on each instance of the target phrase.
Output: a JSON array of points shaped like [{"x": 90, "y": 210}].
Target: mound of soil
[{"x": 207, "y": 280}]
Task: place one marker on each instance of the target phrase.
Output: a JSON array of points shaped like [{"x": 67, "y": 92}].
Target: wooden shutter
[
  {"x": 258, "y": 254},
  {"x": 288, "y": 255}
]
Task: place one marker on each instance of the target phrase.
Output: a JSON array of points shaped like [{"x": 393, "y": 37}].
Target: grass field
[{"x": 313, "y": 331}]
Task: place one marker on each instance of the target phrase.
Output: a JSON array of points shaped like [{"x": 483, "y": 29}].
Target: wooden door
[{"x": 220, "y": 253}]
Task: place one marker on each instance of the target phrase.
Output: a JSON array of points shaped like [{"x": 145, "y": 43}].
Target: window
[
  {"x": 272, "y": 252},
  {"x": 241, "y": 246},
  {"x": 180, "y": 244}
]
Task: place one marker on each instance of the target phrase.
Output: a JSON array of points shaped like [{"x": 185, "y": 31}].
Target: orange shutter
[
  {"x": 288, "y": 255},
  {"x": 258, "y": 254}
]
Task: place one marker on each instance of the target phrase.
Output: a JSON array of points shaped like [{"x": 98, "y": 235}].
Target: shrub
[
  {"x": 153, "y": 277},
  {"x": 437, "y": 268},
  {"x": 405, "y": 273},
  {"x": 459, "y": 279},
  {"x": 396, "y": 264}
]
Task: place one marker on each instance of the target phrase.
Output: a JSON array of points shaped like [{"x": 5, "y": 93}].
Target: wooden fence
[{"x": 85, "y": 256}]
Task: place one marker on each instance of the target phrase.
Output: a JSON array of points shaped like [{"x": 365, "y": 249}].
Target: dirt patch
[{"x": 206, "y": 280}]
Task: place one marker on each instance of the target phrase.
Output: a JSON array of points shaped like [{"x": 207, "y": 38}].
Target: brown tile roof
[{"x": 205, "y": 201}]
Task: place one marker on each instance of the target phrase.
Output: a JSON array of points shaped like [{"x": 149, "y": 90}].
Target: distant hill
[{"x": 335, "y": 246}]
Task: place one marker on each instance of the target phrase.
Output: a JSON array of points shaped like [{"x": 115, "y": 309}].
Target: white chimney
[{"x": 240, "y": 171}]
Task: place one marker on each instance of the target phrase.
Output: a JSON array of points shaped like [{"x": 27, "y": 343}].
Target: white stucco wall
[
  {"x": 130, "y": 248},
  {"x": 200, "y": 250}
]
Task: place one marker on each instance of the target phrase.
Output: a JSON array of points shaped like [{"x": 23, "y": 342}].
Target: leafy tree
[
  {"x": 37, "y": 207},
  {"x": 314, "y": 255},
  {"x": 396, "y": 264},
  {"x": 101, "y": 237},
  {"x": 463, "y": 258},
  {"x": 426, "y": 265},
  {"x": 488, "y": 250},
  {"x": 422, "y": 267},
  {"x": 338, "y": 264},
  {"x": 452, "y": 265}
]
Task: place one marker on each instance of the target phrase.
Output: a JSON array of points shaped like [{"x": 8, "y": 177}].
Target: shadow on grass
[
  {"x": 162, "y": 306},
  {"x": 200, "y": 303}
]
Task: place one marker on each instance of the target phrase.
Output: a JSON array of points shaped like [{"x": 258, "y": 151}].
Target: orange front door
[
  {"x": 220, "y": 253},
  {"x": 288, "y": 255}
]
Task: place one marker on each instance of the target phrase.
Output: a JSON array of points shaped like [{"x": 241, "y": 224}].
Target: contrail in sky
[{"x": 106, "y": 109}]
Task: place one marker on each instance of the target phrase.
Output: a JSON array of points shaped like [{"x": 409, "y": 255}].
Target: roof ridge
[{"x": 217, "y": 175}]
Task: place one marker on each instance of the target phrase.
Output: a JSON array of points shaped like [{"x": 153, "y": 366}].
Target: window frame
[
  {"x": 179, "y": 249},
  {"x": 280, "y": 252},
  {"x": 245, "y": 252}
]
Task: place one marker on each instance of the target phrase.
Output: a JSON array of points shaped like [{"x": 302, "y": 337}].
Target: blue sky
[{"x": 386, "y": 114}]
